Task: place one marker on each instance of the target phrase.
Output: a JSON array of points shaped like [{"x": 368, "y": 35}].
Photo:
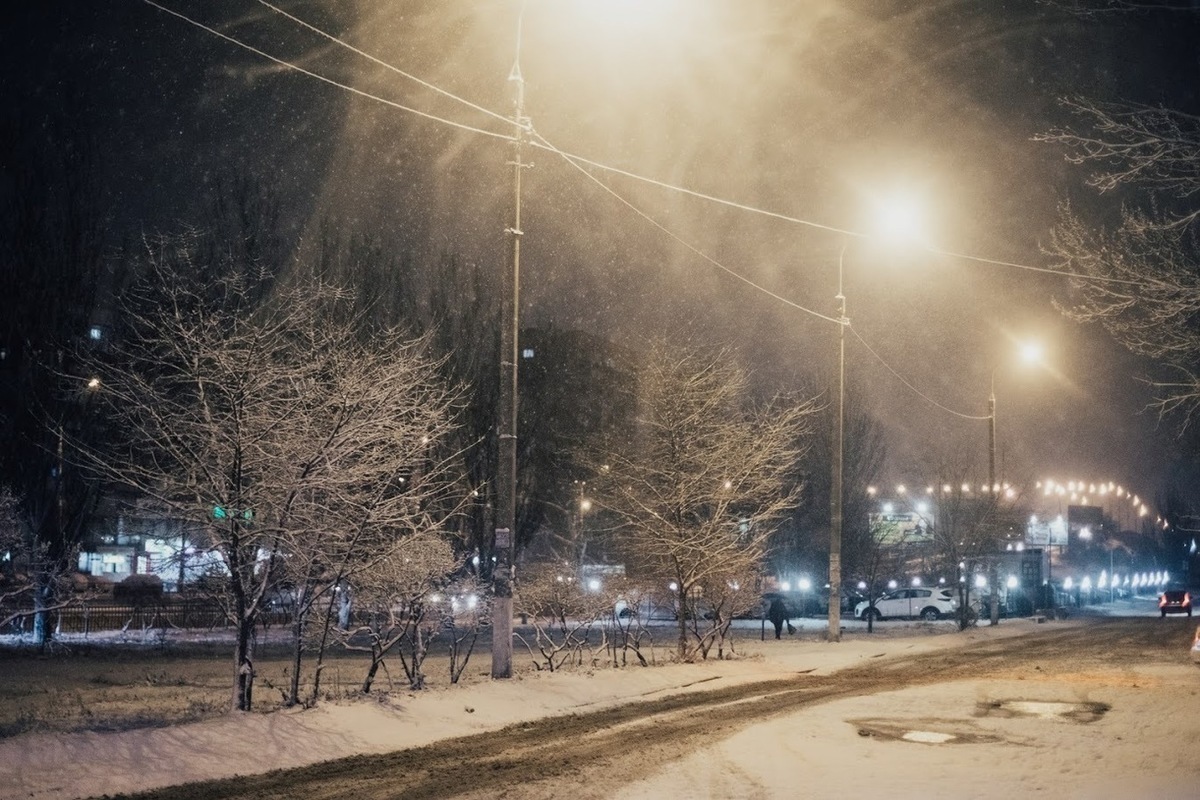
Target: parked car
[
  {"x": 920, "y": 602},
  {"x": 1175, "y": 601}
]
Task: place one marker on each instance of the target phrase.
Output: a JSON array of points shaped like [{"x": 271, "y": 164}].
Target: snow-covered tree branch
[
  {"x": 703, "y": 481},
  {"x": 1140, "y": 275},
  {"x": 292, "y": 436}
]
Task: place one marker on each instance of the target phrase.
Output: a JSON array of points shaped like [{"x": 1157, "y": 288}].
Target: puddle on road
[
  {"x": 928, "y": 737},
  {"x": 947, "y": 731},
  {"x": 923, "y": 731},
  {"x": 1081, "y": 712}
]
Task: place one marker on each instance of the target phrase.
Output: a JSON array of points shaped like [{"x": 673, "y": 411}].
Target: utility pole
[
  {"x": 993, "y": 574},
  {"x": 504, "y": 545},
  {"x": 834, "y": 634}
]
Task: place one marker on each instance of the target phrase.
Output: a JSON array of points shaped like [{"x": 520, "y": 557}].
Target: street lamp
[
  {"x": 834, "y": 633},
  {"x": 896, "y": 219},
  {"x": 1030, "y": 352}
]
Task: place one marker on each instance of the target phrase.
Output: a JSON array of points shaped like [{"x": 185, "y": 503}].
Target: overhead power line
[
  {"x": 323, "y": 79},
  {"x": 546, "y": 145},
  {"x": 579, "y": 162},
  {"x": 905, "y": 381},
  {"x": 578, "y": 159},
  {"x": 385, "y": 65}
]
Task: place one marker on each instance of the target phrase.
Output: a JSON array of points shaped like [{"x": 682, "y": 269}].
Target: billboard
[
  {"x": 905, "y": 527},
  {"x": 1085, "y": 518},
  {"x": 1052, "y": 532}
]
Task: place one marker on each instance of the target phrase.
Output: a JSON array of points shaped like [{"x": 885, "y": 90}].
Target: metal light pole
[
  {"x": 1111, "y": 596},
  {"x": 993, "y": 576},
  {"x": 504, "y": 546},
  {"x": 992, "y": 435},
  {"x": 834, "y": 634}
]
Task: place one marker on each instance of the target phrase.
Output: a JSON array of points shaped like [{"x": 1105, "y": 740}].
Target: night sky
[{"x": 809, "y": 110}]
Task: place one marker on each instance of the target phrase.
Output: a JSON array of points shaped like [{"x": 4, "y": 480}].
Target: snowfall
[{"x": 1145, "y": 746}]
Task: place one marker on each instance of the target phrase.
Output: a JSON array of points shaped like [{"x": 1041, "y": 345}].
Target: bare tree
[
  {"x": 272, "y": 423},
  {"x": 401, "y": 606},
  {"x": 454, "y": 305},
  {"x": 632, "y": 606},
  {"x": 469, "y": 611},
  {"x": 876, "y": 557},
  {"x": 704, "y": 480},
  {"x": 726, "y": 596},
  {"x": 970, "y": 530},
  {"x": 35, "y": 579},
  {"x": 563, "y": 613},
  {"x": 864, "y": 453},
  {"x": 1142, "y": 273}
]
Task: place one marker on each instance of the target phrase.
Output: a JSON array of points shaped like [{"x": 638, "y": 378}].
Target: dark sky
[{"x": 810, "y": 110}]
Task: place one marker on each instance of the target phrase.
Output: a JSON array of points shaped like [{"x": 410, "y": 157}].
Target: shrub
[{"x": 139, "y": 590}]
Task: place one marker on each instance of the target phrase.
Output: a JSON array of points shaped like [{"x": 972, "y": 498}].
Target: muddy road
[{"x": 550, "y": 756}]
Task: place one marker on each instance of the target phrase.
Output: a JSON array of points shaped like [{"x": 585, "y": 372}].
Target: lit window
[
  {"x": 95, "y": 333},
  {"x": 527, "y": 352}
]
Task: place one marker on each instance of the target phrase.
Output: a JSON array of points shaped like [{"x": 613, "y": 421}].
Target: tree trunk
[
  {"x": 419, "y": 652},
  {"x": 993, "y": 577},
  {"x": 41, "y": 601},
  {"x": 326, "y": 624},
  {"x": 682, "y": 620},
  {"x": 243, "y": 687},
  {"x": 344, "y": 607},
  {"x": 297, "y": 653},
  {"x": 376, "y": 660},
  {"x": 964, "y": 607}
]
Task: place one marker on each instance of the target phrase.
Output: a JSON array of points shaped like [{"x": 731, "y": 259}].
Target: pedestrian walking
[{"x": 777, "y": 613}]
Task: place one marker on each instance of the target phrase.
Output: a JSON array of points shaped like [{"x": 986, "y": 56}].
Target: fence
[{"x": 88, "y": 618}]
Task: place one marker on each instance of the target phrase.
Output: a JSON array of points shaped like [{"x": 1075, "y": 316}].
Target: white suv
[{"x": 915, "y": 602}]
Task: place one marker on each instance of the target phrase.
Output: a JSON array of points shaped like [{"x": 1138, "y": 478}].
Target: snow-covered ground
[{"x": 1143, "y": 747}]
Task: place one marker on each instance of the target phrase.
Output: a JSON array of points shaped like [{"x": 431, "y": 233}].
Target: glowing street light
[
  {"x": 1030, "y": 352},
  {"x": 898, "y": 218}
]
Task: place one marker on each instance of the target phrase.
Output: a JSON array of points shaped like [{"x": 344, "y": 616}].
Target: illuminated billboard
[
  {"x": 1046, "y": 533},
  {"x": 901, "y": 528}
]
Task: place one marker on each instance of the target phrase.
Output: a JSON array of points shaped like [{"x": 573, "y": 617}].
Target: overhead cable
[
  {"x": 569, "y": 159},
  {"x": 912, "y": 388},
  {"x": 385, "y": 65},
  {"x": 322, "y": 78}
]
